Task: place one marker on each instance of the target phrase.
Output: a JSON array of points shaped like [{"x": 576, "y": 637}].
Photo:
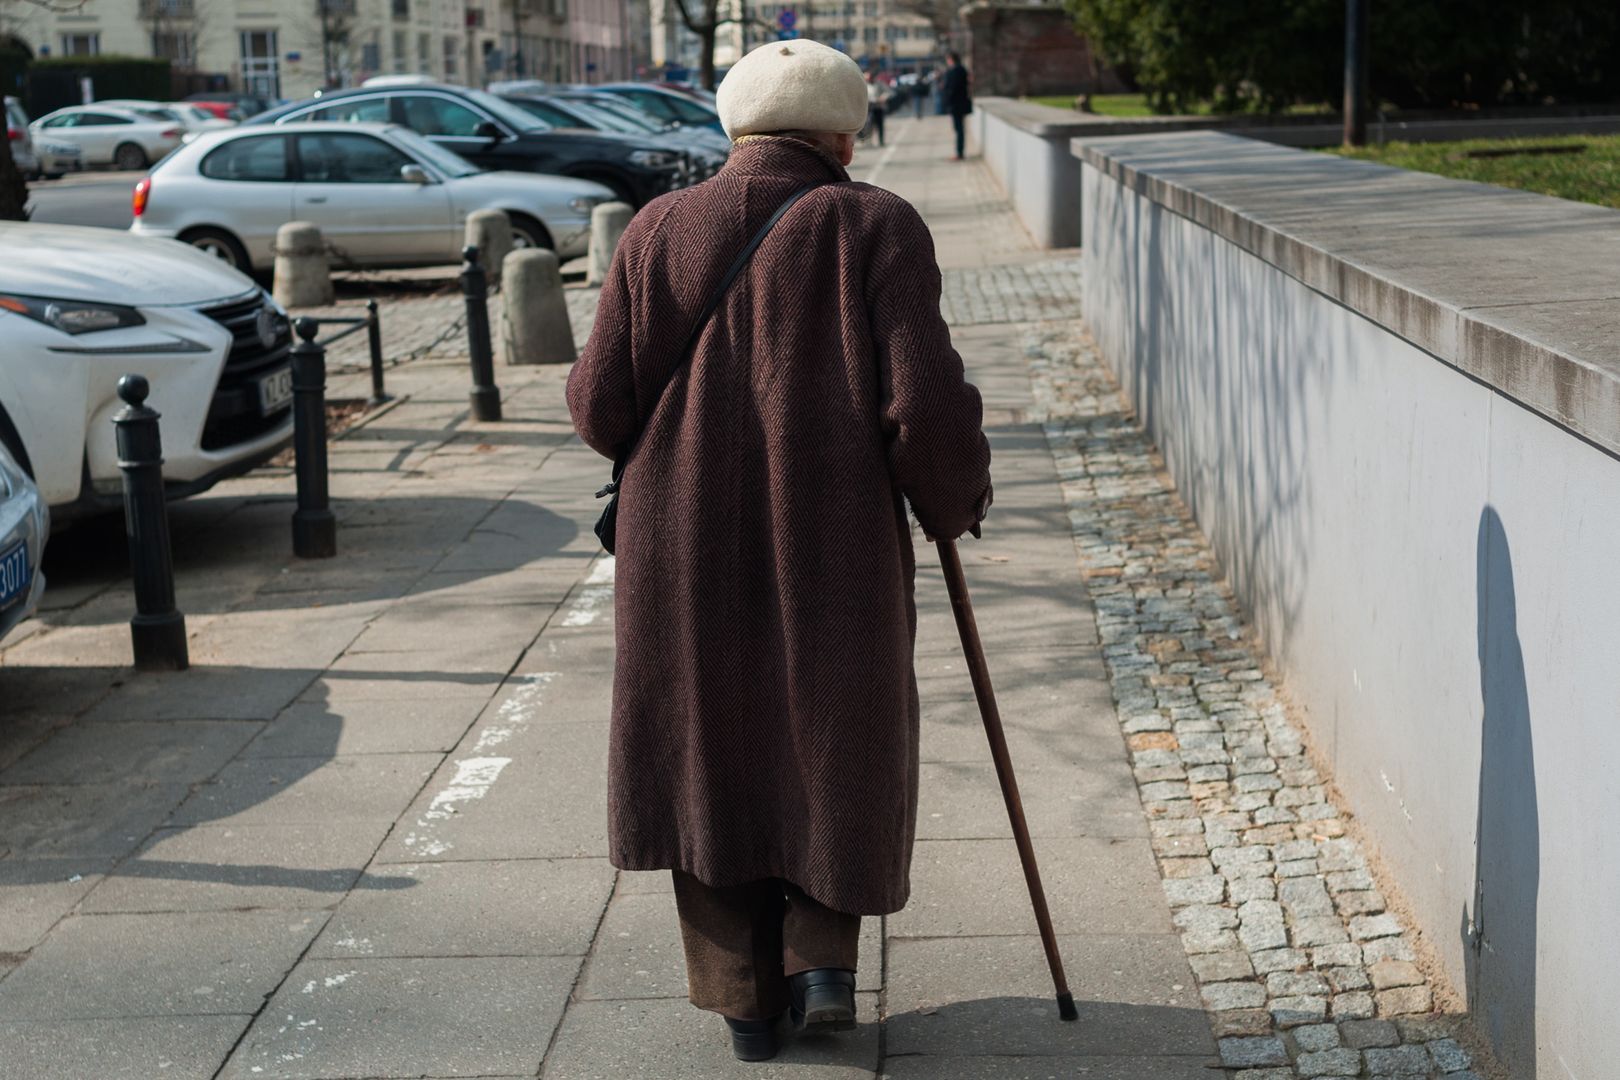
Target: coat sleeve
[
  {"x": 932, "y": 415},
  {"x": 602, "y": 385}
]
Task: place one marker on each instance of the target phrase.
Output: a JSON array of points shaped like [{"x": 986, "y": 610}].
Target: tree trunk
[
  {"x": 706, "y": 56},
  {"x": 13, "y": 189}
]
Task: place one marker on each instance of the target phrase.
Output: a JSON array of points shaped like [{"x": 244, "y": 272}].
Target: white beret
[{"x": 796, "y": 85}]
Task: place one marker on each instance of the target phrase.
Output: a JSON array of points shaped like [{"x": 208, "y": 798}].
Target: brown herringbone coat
[{"x": 764, "y": 705}]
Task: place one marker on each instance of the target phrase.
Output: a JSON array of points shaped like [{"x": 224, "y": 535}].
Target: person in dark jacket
[
  {"x": 956, "y": 87},
  {"x": 764, "y": 734}
]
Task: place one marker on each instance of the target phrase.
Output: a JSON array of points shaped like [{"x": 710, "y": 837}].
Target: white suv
[{"x": 80, "y": 307}]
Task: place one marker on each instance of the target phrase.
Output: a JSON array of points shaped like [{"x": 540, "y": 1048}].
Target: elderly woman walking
[{"x": 764, "y": 734}]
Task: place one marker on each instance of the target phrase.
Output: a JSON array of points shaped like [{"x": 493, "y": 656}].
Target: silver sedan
[
  {"x": 381, "y": 194},
  {"x": 24, "y": 525}
]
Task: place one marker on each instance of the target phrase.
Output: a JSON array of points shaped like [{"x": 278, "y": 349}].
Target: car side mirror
[
  {"x": 488, "y": 129},
  {"x": 413, "y": 174}
]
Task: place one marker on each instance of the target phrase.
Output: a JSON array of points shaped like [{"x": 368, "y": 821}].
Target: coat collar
[{"x": 783, "y": 155}]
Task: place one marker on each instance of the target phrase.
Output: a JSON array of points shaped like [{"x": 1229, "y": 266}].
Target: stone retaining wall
[{"x": 1392, "y": 402}]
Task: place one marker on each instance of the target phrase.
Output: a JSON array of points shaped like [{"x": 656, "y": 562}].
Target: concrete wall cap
[{"x": 1515, "y": 289}]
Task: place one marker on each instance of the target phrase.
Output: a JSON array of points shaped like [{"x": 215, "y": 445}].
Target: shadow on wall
[{"x": 1500, "y": 937}]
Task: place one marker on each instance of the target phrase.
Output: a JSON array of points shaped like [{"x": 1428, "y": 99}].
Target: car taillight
[
  {"x": 14, "y": 134},
  {"x": 142, "y": 190},
  {"x": 169, "y": 133}
]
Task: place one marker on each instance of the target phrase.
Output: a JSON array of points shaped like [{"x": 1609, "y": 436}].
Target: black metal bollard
[
  {"x": 374, "y": 338},
  {"x": 158, "y": 630},
  {"x": 314, "y": 526},
  {"x": 486, "y": 396}
]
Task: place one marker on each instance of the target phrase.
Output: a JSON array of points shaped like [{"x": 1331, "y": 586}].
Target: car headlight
[
  {"x": 583, "y": 204},
  {"x": 72, "y": 316},
  {"x": 654, "y": 159}
]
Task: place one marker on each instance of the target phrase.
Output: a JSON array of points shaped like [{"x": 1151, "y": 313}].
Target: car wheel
[
  {"x": 529, "y": 233},
  {"x": 221, "y": 245},
  {"x": 129, "y": 157}
]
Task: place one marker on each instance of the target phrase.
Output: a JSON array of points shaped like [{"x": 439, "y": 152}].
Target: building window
[
  {"x": 401, "y": 51},
  {"x": 261, "y": 63},
  {"x": 81, "y": 44},
  {"x": 452, "y": 50},
  {"x": 179, "y": 48},
  {"x": 371, "y": 55},
  {"x": 402, "y": 9},
  {"x": 424, "y": 54}
]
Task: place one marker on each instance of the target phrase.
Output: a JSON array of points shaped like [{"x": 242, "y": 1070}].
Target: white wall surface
[
  {"x": 1434, "y": 569},
  {"x": 1040, "y": 176}
]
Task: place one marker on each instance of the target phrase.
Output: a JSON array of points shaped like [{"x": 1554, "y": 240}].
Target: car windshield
[
  {"x": 424, "y": 149},
  {"x": 506, "y": 112},
  {"x": 609, "y": 120}
]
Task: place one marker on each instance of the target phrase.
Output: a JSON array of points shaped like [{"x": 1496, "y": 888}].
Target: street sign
[
  {"x": 788, "y": 19},
  {"x": 786, "y": 35}
]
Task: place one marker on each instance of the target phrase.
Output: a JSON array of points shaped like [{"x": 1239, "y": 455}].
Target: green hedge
[{"x": 53, "y": 81}]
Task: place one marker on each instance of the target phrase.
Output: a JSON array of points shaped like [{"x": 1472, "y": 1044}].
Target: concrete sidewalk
[{"x": 364, "y": 836}]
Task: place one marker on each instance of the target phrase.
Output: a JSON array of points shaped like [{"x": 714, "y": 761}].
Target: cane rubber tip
[
  {"x": 1066, "y": 1009},
  {"x": 132, "y": 389},
  {"x": 307, "y": 327}
]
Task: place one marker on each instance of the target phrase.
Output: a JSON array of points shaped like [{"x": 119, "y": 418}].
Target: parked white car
[
  {"x": 57, "y": 158},
  {"x": 20, "y": 139},
  {"x": 80, "y": 307},
  {"x": 382, "y": 195},
  {"x": 111, "y": 135},
  {"x": 192, "y": 117},
  {"x": 24, "y": 525}
]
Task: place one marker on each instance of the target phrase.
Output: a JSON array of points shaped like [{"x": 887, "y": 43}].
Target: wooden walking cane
[{"x": 962, "y": 606}]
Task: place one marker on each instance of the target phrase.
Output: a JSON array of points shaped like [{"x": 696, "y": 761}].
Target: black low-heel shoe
[
  {"x": 823, "y": 1000},
  {"x": 753, "y": 1040}
]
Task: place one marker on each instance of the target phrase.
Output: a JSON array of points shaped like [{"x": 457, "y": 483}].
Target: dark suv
[{"x": 495, "y": 134}]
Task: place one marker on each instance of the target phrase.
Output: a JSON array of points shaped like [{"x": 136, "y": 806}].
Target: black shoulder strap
[{"x": 736, "y": 268}]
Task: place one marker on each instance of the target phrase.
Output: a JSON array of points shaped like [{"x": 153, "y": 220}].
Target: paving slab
[
  {"x": 962, "y": 800},
  {"x": 157, "y": 964},
  {"x": 83, "y": 820},
  {"x": 138, "y": 1048},
  {"x": 188, "y": 750},
  {"x": 515, "y": 908},
  {"x": 36, "y": 893},
  {"x": 340, "y": 728},
  {"x": 312, "y": 790},
  {"x": 993, "y": 996},
  {"x": 674, "y": 1041},
  {"x": 486, "y": 805},
  {"x": 441, "y": 1017},
  {"x": 237, "y": 867},
  {"x": 976, "y": 887},
  {"x": 1089, "y": 1067},
  {"x": 230, "y": 692},
  {"x": 638, "y": 951}
]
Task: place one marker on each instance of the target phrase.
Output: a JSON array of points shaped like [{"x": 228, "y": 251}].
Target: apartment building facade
[
  {"x": 292, "y": 48},
  {"x": 879, "y": 34}
]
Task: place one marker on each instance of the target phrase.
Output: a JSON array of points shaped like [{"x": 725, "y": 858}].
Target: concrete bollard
[
  {"x": 302, "y": 277},
  {"x": 607, "y": 225},
  {"x": 534, "y": 317},
  {"x": 490, "y": 231}
]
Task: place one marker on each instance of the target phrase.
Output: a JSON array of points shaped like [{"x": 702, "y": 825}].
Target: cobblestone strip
[
  {"x": 1019, "y": 292},
  {"x": 1303, "y": 969}
]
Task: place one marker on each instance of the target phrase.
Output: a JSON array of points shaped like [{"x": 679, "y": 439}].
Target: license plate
[
  {"x": 275, "y": 391},
  {"x": 14, "y": 574}
]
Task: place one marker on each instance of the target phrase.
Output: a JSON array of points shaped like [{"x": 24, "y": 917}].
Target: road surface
[{"x": 89, "y": 198}]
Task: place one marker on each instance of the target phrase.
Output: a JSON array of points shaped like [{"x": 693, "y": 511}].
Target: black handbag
[{"x": 607, "y": 524}]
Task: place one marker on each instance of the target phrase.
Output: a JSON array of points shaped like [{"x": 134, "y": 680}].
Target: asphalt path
[{"x": 101, "y": 199}]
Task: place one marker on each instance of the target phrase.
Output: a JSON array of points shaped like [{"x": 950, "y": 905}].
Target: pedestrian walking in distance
[
  {"x": 877, "y": 99},
  {"x": 956, "y": 88},
  {"x": 764, "y": 730}
]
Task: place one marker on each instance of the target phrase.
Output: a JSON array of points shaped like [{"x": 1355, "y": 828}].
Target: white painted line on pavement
[
  {"x": 596, "y": 595},
  {"x": 883, "y": 160}
]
